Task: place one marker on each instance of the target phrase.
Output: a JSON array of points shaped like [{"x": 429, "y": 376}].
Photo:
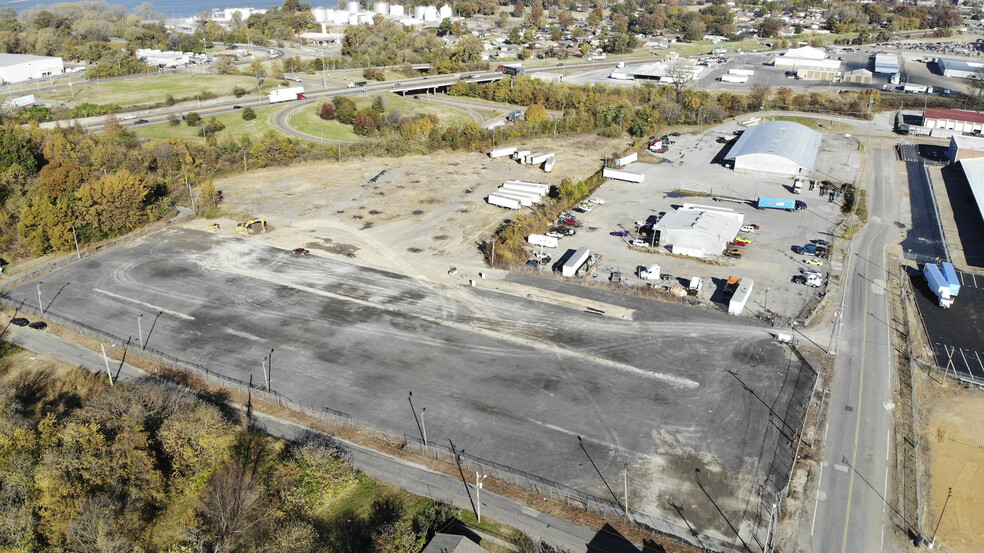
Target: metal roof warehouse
[{"x": 780, "y": 147}]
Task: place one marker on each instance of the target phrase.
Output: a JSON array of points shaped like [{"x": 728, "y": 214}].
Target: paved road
[
  {"x": 413, "y": 478},
  {"x": 850, "y": 515}
]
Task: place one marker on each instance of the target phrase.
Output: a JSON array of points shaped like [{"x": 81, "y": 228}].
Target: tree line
[{"x": 150, "y": 466}]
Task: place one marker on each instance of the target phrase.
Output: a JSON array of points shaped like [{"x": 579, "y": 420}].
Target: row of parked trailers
[
  {"x": 514, "y": 194},
  {"x": 526, "y": 157}
]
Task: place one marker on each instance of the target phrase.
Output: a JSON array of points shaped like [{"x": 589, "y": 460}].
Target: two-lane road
[{"x": 850, "y": 515}]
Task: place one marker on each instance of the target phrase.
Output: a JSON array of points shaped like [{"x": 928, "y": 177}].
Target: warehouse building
[
  {"x": 973, "y": 170},
  {"x": 957, "y": 120},
  {"x": 858, "y": 76},
  {"x": 886, "y": 62},
  {"x": 965, "y": 147},
  {"x": 18, "y": 68},
  {"x": 816, "y": 73},
  {"x": 698, "y": 230},
  {"x": 781, "y": 147},
  {"x": 958, "y": 68},
  {"x": 806, "y": 56},
  {"x": 663, "y": 71}
]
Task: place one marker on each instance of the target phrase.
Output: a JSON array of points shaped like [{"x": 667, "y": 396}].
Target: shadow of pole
[
  {"x": 732, "y": 526},
  {"x": 581, "y": 443},
  {"x": 792, "y": 431},
  {"x": 53, "y": 298},
  {"x": 693, "y": 532},
  {"x": 151, "y": 331}
]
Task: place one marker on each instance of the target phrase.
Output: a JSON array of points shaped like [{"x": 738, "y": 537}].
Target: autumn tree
[
  {"x": 326, "y": 111},
  {"x": 113, "y": 203}
]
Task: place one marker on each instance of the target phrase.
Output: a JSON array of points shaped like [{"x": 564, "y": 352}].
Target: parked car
[
  {"x": 740, "y": 242},
  {"x": 619, "y": 233},
  {"x": 20, "y": 321},
  {"x": 640, "y": 243},
  {"x": 300, "y": 251},
  {"x": 597, "y": 201},
  {"x": 735, "y": 253},
  {"x": 749, "y": 228},
  {"x": 38, "y": 325},
  {"x": 554, "y": 234},
  {"x": 815, "y": 262},
  {"x": 821, "y": 242},
  {"x": 570, "y": 222},
  {"x": 674, "y": 134}
]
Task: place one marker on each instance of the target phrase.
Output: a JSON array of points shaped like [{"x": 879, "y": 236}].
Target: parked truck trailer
[
  {"x": 617, "y": 174},
  {"x": 780, "y": 203},
  {"x": 287, "y": 94},
  {"x": 950, "y": 274},
  {"x": 938, "y": 285}
]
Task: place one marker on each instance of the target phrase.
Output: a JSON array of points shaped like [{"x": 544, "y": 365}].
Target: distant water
[{"x": 171, "y": 8}]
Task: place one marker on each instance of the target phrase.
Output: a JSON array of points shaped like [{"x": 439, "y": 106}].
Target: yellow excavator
[{"x": 246, "y": 226}]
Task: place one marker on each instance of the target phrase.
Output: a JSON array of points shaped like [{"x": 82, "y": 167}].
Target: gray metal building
[{"x": 781, "y": 147}]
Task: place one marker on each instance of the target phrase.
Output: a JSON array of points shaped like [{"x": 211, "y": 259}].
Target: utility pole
[
  {"x": 40, "y": 305},
  {"x": 78, "y": 252},
  {"x": 140, "y": 330},
  {"x": 625, "y": 473},
  {"x": 423, "y": 427}
]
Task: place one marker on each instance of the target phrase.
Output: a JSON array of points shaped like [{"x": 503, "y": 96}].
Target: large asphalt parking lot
[{"x": 508, "y": 379}]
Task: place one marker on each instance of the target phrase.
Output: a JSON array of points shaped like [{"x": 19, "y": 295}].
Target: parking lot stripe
[{"x": 145, "y": 304}]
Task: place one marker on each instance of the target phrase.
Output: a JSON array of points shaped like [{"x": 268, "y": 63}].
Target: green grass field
[
  {"x": 822, "y": 125},
  {"x": 235, "y": 126},
  {"x": 152, "y": 90}
]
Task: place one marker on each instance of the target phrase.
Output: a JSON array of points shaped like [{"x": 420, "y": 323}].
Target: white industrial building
[
  {"x": 225, "y": 15},
  {"x": 697, "y": 230},
  {"x": 350, "y": 12},
  {"x": 956, "y": 120},
  {"x": 886, "y": 62},
  {"x": 663, "y": 71},
  {"x": 973, "y": 170},
  {"x": 963, "y": 146},
  {"x": 17, "y": 68},
  {"x": 807, "y": 56},
  {"x": 959, "y": 68},
  {"x": 168, "y": 58},
  {"x": 781, "y": 147}
]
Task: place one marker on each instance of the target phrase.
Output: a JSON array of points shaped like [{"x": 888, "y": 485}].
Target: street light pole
[
  {"x": 40, "y": 305},
  {"x": 140, "y": 330},
  {"x": 625, "y": 474},
  {"x": 423, "y": 427},
  {"x": 478, "y": 495}
]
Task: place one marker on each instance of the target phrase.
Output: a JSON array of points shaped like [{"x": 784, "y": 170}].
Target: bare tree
[{"x": 232, "y": 505}]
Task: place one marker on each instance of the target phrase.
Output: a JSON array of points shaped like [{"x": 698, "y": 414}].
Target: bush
[
  {"x": 193, "y": 119},
  {"x": 238, "y": 92},
  {"x": 169, "y": 101},
  {"x": 249, "y": 114},
  {"x": 173, "y": 119}
]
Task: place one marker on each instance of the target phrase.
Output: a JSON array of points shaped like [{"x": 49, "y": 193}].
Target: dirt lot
[
  {"x": 954, "y": 435},
  {"x": 416, "y": 218}
]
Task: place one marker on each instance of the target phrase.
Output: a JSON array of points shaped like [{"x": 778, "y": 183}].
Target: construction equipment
[
  {"x": 213, "y": 226},
  {"x": 248, "y": 225}
]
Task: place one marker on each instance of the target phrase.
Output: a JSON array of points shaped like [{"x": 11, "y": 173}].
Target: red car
[
  {"x": 570, "y": 222},
  {"x": 300, "y": 251},
  {"x": 740, "y": 242}
]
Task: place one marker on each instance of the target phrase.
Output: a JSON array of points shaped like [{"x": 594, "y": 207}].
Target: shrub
[{"x": 249, "y": 114}]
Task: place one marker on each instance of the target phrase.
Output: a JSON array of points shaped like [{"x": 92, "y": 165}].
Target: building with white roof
[
  {"x": 807, "y": 56},
  {"x": 698, "y": 230},
  {"x": 963, "y": 147},
  {"x": 18, "y": 68},
  {"x": 973, "y": 170}
]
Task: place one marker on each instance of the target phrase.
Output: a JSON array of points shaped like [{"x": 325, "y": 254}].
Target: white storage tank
[
  {"x": 430, "y": 13},
  {"x": 382, "y": 8},
  {"x": 353, "y": 6},
  {"x": 396, "y": 10},
  {"x": 320, "y": 14},
  {"x": 446, "y": 12},
  {"x": 419, "y": 11}
]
